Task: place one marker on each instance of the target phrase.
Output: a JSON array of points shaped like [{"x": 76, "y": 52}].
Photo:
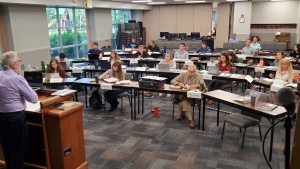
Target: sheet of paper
[
  {"x": 258, "y": 69},
  {"x": 55, "y": 79},
  {"x": 235, "y": 75},
  {"x": 249, "y": 79},
  {"x": 33, "y": 107},
  {"x": 134, "y": 61},
  {"x": 207, "y": 76},
  {"x": 106, "y": 86}
]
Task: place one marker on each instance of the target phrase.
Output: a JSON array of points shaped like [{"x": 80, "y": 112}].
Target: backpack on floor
[{"x": 95, "y": 99}]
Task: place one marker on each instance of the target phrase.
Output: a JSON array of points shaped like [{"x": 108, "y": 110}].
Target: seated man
[
  {"x": 141, "y": 53},
  {"x": 189, "y": 80},
  {"x": 106, "y": 47},
  {"x": 132, "y": 43},
  {"x": 153, "y": 47},
  {"x": 62, "y": 58},
  {"x": 233, "y": 39},
  {"x": 95, "y": 50},
  {"x": 248, "y": 50},
  {"x": 255, "y": 44},
  {"x": 203, "y": 49},
  {"x": 181, "y": 53}
]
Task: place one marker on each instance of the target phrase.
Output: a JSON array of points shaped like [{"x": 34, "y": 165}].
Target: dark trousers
[
  {"x": 217, "y": 84},
  {"x": 111, "y": 96},
  {"x": 13, "y": 138}
]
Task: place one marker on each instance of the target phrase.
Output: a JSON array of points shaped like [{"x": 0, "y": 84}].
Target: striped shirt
[{"x": 14, "y": 90}]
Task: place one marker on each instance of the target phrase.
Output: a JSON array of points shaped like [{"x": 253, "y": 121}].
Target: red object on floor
[
  {"x": 155, "y": 111},
  {"x": 163, "y": 87}
]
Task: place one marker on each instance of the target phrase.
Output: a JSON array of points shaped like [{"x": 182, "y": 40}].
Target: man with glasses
[
  {"x": 189, "y": 80},
  {"x": 14, "y": 91}
]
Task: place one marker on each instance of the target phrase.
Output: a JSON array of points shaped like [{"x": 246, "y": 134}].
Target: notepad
[
  {"x": 267, "y": 106},
  {"x": 63, "y": 92},
  {"x": 33, "y": 107},
  {"x": 111, "y": 80}
]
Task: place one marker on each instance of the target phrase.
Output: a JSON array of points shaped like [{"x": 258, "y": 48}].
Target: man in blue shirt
[
  {"x": 233, "y": 39},
  {"x": 132, "y": 43},
  {"x": 203, "y": 49},
  {"x": 95, "y": 50}
]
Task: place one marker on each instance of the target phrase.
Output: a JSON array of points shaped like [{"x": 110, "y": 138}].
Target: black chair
[
  {"x": 245, "y": 119},
  {"x": 230, "y": 85}
]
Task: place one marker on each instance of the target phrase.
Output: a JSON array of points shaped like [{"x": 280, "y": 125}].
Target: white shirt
[
  {"x": 256, "y": 46},
  {"x": 65, "y": 60}
]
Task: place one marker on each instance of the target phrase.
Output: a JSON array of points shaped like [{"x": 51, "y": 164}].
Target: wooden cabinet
[{"x": 56, "y": 138}]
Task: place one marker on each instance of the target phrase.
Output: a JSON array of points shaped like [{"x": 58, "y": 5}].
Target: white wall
[
  {"x": 27, "y": 33},
  {"x": 178, "y": 19},
  {"x": 242, "y": 29},
  {"x": 298, "y": 26},
  {"x": 101, "y": 25},
  {"x": 137, "y": 15},
  {"x": 275, "y": 12},
  {"x": 222, "y": 24}
]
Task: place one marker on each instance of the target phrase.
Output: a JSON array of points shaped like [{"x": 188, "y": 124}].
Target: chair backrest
[
  {"x": 263, "y": 97},
  {"x": 128, "y": 76},
  {"x": 233, "y": 69}
]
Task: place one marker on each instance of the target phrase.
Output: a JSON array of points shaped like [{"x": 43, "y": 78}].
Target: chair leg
[
  {"x": 244, "y": 137},
  {"x": 259, "y": 132},
  {"x": 173, "y": 111},
  {"x": 193, "y": 112},
  {"x": 121, "y": 104},
  {"x": 240, "y": 130},
  {"x": 223, "y": 129}
]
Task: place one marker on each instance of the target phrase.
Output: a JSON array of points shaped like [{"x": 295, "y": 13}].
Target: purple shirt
[{"x": 14, "y": 90}]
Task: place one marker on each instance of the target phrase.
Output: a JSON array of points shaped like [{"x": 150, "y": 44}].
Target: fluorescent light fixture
[
  {"x": 194, "y": 1},
  {"x": 278, "y": 0},
  {"x": 156, "y": 3},
  {"x": 143, "y": 1},
  {"x": 235, "y": 0}
]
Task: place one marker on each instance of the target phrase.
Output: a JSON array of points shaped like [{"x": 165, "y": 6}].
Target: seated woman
[
  {"x": 285, "y": 73},
  {"x": 225, "y": 67},
  {"x": 232, "y": 57},
  {"x": 172, "y": 64},
  {"x": 55, "y": 67},
  {"x": 276, "y": 62},
  {"x": 111, "y": 95},
  {"x": 114, "y": 57},
  {"x": 295, "y": 53}
]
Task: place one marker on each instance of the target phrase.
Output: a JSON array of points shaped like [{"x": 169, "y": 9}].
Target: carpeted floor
[{"x": 113, "y": 140}]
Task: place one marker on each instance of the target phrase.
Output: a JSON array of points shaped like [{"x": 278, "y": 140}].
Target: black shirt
[
  {"x": 143, "y": 55},
  {"x": 153, "y": 49},
  {"x": 294, "y": 54}
]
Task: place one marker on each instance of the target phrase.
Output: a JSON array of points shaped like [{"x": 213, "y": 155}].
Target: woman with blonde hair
[
  {"x": 114, "y": 57},
  {"x": 111, "y": 95},
  {"x": 285, "y": 72}
]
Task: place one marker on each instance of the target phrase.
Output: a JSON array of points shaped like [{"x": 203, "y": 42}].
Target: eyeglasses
[
  {"x": 191, "y": 71},
  {"x": 18, "y": 61}
]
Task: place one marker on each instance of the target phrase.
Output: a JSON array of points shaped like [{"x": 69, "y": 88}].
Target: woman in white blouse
[
  {"x": 168, "y": 60},
  {"x": 285, "y": 72}
]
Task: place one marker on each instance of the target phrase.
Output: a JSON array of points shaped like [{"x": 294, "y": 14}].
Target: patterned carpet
[{"x": 113, "y": 140}]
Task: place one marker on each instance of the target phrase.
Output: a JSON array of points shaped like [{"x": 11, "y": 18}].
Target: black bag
[{"x": 95, "y": 99}]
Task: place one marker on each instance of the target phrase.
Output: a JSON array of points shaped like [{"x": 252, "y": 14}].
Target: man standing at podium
[{"x": 14, "y": 91}]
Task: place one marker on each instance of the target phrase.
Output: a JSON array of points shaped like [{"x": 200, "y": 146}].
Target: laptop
[
  {"x": 164, "y": 67},
  {"x": 64, "y": 65},
  {"x": 34, "y": 79},
  {"x": 106, "y": 49},
  {"x": 105, "y": 64},
  {"x": 214, "y": 70},
  {"x": 52, "y": 75},
  {"x": 93, "y": 56}
]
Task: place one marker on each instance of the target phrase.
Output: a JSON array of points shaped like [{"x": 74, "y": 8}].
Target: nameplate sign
[
  {"x": 188, "y": 62},
  {"x": 140, "y": 68},
  {"x": 249, "y": 79},
  {"x": 211, "y": 64},
  {"x": 55, "y": 79},
  {"x": 133, "y": 52},
  {"x": 277, "y": 84},
  {"x": 207, "y": 76},
  {"x": 134, "y": 61},
  {"x": 76, "y": 70},
  {"x": 106, "y": 86},
  {"x": 107, "y": 53},
  {"x": 242, "y": 57},
  {"x": 258, "y": 69},
  {"x": 127, "y": 49},
  {"x": 196, "y": 94}
]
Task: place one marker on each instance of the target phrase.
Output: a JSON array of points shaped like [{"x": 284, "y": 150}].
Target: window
[
  {"x": 118, "y": 16},
  {"x": 67, "y": 32}
]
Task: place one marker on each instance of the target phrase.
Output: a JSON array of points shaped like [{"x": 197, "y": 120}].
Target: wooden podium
[{"x": 56, "y": 138}]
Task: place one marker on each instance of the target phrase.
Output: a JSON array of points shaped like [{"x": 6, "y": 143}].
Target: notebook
[
  {"x": 34, "y": 79},
  {"x": 52, "y": 75},
  {"x": 164, "y": 67}
]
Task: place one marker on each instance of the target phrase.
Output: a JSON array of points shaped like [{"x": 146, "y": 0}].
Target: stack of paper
[
  {"x": 63, "y": 92},
  {"x": 111, "y": 80},
  {"x": 33, "y": 107},
  {"x": 174, "y": 87},
  {"x": 123, "y": 82}
]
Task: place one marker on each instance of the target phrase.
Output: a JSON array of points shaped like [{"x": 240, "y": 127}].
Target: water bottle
[
  {"x": 123, "y": 48},
  {"x": 155, "y": 112},
  {"x": 96, "y": 65},
  {"x": 165, "y": 49},
  {"x": 261, "y": 63},
  {"x": 43, "y": 65}
]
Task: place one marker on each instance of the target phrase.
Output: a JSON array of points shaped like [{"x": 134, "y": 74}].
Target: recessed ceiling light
[
  {"x": 156, "y": 3},
  {"x": 143, "y": 1},
  {"x": 194, "y": 1}
]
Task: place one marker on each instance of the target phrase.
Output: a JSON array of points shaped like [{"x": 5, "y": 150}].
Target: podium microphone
[{"x": 286, "y": 97}]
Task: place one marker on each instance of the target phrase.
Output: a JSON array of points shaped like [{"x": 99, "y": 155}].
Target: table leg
[
  {"x": 218, "y": 113},
  {"x": 76, "y": 93},
  {"x": 131, "y": 112},
  {"x": 271, "y": 140},
  {"x": 199, "y": 110},
  {"x": 138, "y": 102},
  {"x": 143, "y": 103},
  {"x": 203, "y": 116},
  {"x": 85, "y": 94},
  {"x": 134, "y": 108}
]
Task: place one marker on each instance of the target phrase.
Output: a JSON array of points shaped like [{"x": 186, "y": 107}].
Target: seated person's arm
[
  {"x": 186, "y": 56},
  {"x": 105, "y": 75},
  {"x": 128, "y": 45},
  {"x": 62, "y": 74},
  {"x": 176, "y": 81},
  {"x": 173, "y": 65},
  {"x": 198, "y": 50},
  {"x": 100, "y": 56},
  {"x": 208, "y": 50},
  {"x": 145, "y": 55}
]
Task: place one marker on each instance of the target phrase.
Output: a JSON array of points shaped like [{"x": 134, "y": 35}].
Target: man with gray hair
[
  {"x": 14, "y": 91},
  {"x": 189, "y": 80}
]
